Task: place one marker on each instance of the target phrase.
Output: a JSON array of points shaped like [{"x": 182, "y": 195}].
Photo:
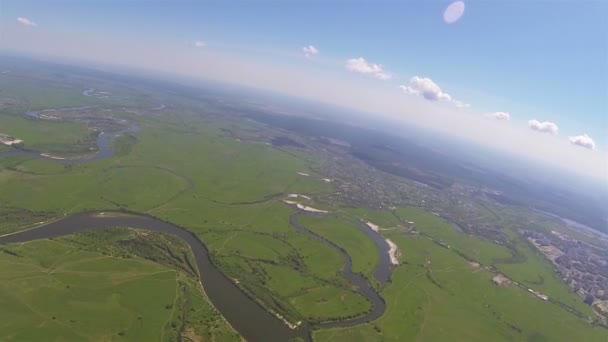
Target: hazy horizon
[{"x": 411, "y": 91}]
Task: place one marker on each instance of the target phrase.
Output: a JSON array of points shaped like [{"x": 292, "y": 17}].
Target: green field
[
  {"x": 39, "y": 167},
  {"x": 384, "y": 219},
  {"x": 437, "y": 297},
  {"x": 524, "y": 264},
  {"x": 475, "y": 248},
  {"x": 344, "y": 234},
  {"x": 292, "y": 273},
  {"x": 183, "y": 167},
  {"x": 47, "y": 136},
  {"x": 80, "y": 288}
]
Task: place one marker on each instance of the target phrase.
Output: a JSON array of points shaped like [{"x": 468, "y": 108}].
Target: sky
[{"x": 528, "y": 77}]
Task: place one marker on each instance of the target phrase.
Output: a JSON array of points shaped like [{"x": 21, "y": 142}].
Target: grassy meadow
[
  {"x": 78, "y": 288},
  {"x": 437, "y": 296},
  {"x": 343, "y": 233},
  {"x": 47, "y": 136}
]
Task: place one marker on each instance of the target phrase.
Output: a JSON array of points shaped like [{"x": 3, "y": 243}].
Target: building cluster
[
  {"x": 583, "y": 266},
  {"x": 360, "y": 184}
]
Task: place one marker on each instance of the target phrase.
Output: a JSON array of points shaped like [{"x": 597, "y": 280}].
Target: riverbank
[{"x": 248, "y": 317}]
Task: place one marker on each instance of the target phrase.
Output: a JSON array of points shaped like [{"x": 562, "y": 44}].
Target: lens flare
[{"x": 453, "y": 12}]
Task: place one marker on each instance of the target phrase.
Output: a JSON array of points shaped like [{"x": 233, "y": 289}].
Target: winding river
[
  {"x": 245, "y": 315},
  {"x": 103, "y": 142},
  {"x": 363, "y": 286},
  {"x": 382, "y": 272},
  {"x": 104, "y": 148}
]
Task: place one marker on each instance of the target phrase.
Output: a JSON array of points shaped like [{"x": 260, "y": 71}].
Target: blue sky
[{"x": 544, "y": 60}]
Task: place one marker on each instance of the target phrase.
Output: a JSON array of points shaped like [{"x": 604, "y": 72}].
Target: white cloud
[
  {"x": 583, "y": 140},
  {"x": 26, "y": 22},
  {"x": 309, "y": 51},
  {"x": 501, "y": 116},
  {"x": 453, "y": 12},
  {"x": 199, "y": 44},
  {"x": 361, "y": 66},
  {"x": 425, "y": 87},
  {"x": 545, "y": 126}
]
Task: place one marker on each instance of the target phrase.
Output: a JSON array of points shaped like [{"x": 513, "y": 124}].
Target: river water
[
  {"x": 104, "y": 140},
  {"x": 382, "y": 272},
  {"x": 245, "y": 315},
  {"x": 104, "y": 148},
  {"x": 362, "y": 285}
]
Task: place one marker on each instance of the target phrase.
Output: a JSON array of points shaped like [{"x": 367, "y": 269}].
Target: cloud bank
[
  {"x": 310, "y": 51},
  {"x": 425, "y": 87},
  {"x": 583, "y": 141},
  {"x": 26, "y": 22},
  {"x": 361, "y": 66},
  {"x": 199, "y": 44},
  {"x": 544, "y": 127}
]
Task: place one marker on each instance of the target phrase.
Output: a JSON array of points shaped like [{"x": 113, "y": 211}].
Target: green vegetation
[
  {"x": 436, "y": 296},
  {"x": 384, "y": 219},
  {"x": 43, "y": 95},
  {"x": 533, "y": 270},
  {"x": 39, "y": 167},
  {"x": 437, "y": 228},
  {"x": 48, "y": 136},
  {"x": 194, "y": 319},
  {"x": 520, "y": 262},
  {"x": 291, "y": 273},
  {"x": 126, "y": 188},
  {"x": 326, "y": 302},
  {"x": 344, "y": 234},
  {"x": 97, "y": 285},
  {"x": 14, "y": 219},
  {"x": 186, "y": 169},
  {"x": 123, "y": 144},
  {"x": 164, "y": 249}
]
